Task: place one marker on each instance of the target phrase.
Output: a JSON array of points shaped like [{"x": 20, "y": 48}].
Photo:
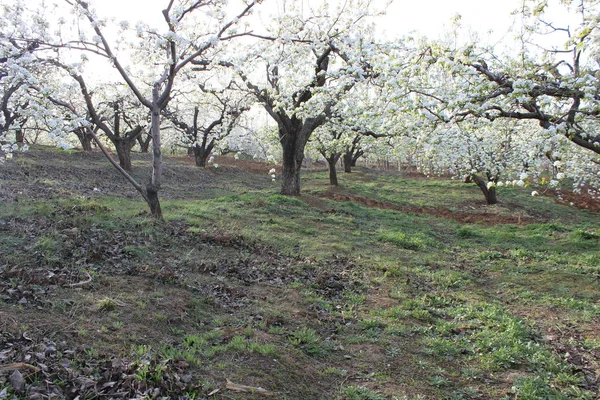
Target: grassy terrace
[{"x": 388, "y": 287}]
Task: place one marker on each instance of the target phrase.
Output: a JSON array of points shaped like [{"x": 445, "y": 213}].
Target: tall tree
[{"x": 311, "y": 63}]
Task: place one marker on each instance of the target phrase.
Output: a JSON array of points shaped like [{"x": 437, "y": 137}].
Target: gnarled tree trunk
[
  {"x": 85, "y": 138},
  {"x": 123, "y": 148},
  {"x": 351, "y": 155},
  {"x": 293, "y": 144},
  {"x": 86, "y": 143},
  {"x": 153, "y": 202},
  {"x": 144, "y": 143},
  {"x": 488, "y": 192},
  {"x": 202, "y": 152}
]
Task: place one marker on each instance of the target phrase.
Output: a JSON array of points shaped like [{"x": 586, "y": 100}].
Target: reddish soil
[
  {"x": 485, "y": 217},
  {"x": 579, "y": 200},
  {"x": 257, "y": 167}
]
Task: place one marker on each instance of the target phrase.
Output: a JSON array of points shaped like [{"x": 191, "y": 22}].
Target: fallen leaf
[{"x": 17, "y": 381}]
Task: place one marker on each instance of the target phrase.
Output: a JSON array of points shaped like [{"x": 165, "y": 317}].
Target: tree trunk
[
  {"x": 86, "y": 142},
  {"x": 202, "y": 152},
  {"x": 488, "y": 193},
  {"x": 85, "y": 138},
  {"x": 153, "y": 202},
  {"x": 347, "y": 162},
  {"x": 144, "y": 143},
  {"x": 19, "y": 136},
  {"x": 332, "y": 161},
  {"x": 351, "y": 155},
  {"x": 123, "y": 149},
  {"x": 155, "y": 181},
  {"x": 293, "y": 154},
  {"x": 200, "y": 155},
  {"x": 355, "y": 157}
]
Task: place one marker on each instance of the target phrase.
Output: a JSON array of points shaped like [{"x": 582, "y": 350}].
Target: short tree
[{"x": 216, "y": 112}]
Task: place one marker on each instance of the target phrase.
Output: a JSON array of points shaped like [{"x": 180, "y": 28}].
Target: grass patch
[{"x": 378, "y": 299}]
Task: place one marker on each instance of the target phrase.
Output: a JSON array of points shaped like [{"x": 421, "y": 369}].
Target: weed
[
  {"x": 400, "y": 239},
  {"x": 580, "y": 234},
  {"x": 466, "y": 232},
  {"x": 439, "y": 381},
  {"x": 118, "y": 324},
  {"x": 360, "y": 393},
  {"x": 106, "y": 304},
  {"x": 276, "y": 330}
]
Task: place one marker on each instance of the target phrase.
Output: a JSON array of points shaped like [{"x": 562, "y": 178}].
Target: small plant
[
  {"x": 159, "y": 316},
  {"x": 304, "y": 335},
  {"x": 106, "y": 304},
  {"x": 372, "y": 324},
  {"x": 439, "y": 381},
  {"x": 276, "y": 330},
  {"x": 360, "y": 393},
  {"x": 238, "y": 344},
  {"x": 400, "y": 239},
  {"x": 91, "y": 352},
  {"x": 466, "y": 232},
  {"x": 308, "y": 339},
  {"x": 585, "y": 235}
]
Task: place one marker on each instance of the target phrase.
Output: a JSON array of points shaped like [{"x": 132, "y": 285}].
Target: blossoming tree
[
  {"x": 165, "y": 54},
  {"x": 206, "y": 116},
  {"x": 310, "y": 62},
  {"x": 554, "y": 81}
]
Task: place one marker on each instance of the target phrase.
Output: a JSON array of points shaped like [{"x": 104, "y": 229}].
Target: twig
[
  {"x": 248, "y": 389},
  {"x": 81, "y": 283},
  {"x": 10, "y": 367}
]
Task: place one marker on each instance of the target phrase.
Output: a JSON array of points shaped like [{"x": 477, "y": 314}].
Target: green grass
[{"x": 379, "y": 303}]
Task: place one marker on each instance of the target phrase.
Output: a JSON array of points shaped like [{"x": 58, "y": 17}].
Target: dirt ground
[
  {"x": 30, "y": 177},
  {"x": 72, "y": 324}
]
